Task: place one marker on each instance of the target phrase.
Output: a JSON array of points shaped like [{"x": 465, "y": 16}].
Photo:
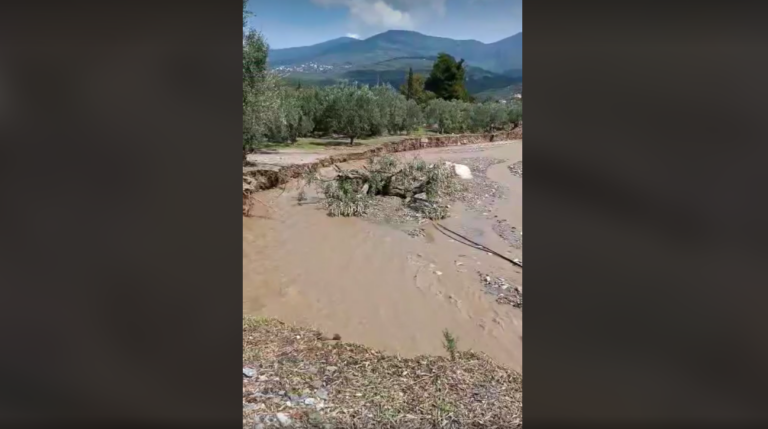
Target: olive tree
[
  {"x": 515, "y": 115},
  {"x": 284, "y": 122},
  {"x": 480, "y": 117},
  {"x": 498, "y": 116},
  {"x": 354, "y": 109},
  {"x": 463, "y": 112},
  {"x": 260, "y": 88},
  {"x": 449, "y": 116},
  {"x": 392, "y": 108},
  {"x": 414, "y": 117}
]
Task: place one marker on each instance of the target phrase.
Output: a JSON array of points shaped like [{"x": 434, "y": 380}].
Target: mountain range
[{"x": 385, "y": 57}]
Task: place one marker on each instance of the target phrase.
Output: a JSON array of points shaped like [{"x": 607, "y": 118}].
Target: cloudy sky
[{"x": 288, "y": 23}]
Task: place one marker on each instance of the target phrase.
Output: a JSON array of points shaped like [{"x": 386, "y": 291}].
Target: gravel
[
  {"x": 509, "y": 233},
  {"x": 481, "y": 193},
  {"x": 391, "y": 210}
]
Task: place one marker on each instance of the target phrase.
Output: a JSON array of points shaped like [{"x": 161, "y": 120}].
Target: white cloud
[
  {"x": 375, "y": 15},
  {"x": 353, "y": 35},
  {"x": 380, "y": 14}
]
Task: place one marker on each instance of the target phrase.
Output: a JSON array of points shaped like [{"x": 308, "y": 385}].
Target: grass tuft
[{"x": 449, "y": 343}]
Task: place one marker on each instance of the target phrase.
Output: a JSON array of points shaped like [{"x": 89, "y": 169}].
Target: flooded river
[{"x": 375, "y": 285}]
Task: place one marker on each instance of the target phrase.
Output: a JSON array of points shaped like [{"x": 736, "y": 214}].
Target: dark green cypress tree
[{"x": 409, "y": 90}]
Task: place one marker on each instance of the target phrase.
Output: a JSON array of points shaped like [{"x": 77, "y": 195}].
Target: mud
[{"x": 376, "y": 285}]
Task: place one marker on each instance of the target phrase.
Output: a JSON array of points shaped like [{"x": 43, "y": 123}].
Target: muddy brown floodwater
[{"x": 374, "y": 284}]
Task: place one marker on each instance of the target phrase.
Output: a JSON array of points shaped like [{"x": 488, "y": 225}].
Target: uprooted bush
[{"x": 423, "y": 187}]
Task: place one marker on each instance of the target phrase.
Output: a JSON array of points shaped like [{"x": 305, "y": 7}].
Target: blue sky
[{"x": 288, "y": 23}]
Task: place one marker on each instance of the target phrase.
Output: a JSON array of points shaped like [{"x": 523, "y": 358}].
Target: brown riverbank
[
  {"x": 297, "y": 377},
  {"x": 270, "y": 170}
]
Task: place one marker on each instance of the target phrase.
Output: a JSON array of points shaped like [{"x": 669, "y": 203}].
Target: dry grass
[{"x": 319, "y": 383}]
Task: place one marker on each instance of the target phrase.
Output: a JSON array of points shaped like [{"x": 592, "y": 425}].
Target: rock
[
  {"x": 248, "y": 407},
  {"x": 463, "y": 171},
  {"x": 336, "y": 337},
  {"x": 309, "y": 401},
  {"x": 317, "y": 384},
  {"x": 294, "y": 398},
  {"x": 330, "y": 369},
  {"x": 283, "y": 419},
  {"x": 249, "y": 372},
  {"x": 258, "y": 426},
  {"x": 322, "y": 394},
  {"x": 315, "y": 419},
  {"x": 439, "y": 273}
]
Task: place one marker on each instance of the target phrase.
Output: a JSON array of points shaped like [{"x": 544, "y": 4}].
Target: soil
[{"x": 388, "y": 281}]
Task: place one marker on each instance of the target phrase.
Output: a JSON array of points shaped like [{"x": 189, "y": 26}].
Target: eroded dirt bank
[
  {"x": 374, "y": 284},
  {"x": 269, "y": 175}
]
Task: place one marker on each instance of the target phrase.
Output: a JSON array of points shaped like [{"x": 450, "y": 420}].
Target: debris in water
[
  {"x": 416, "y": 233},
  {"x": 505, "y": 292},
  {"x": 517, "y": 169}
]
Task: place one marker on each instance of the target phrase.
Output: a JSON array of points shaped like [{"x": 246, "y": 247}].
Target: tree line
[{"x": 276, "y": 112}]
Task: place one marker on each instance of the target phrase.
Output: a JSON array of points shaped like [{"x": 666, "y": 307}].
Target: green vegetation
[
  {"x": 413, "y": 88},
  {"x": 447, "y": 79},
  {"x": 394, "y": 72},
  {"x": 506, "y": 93},
  {"x": 450, "y": 343},
  {"x": 285, "y": 116}
]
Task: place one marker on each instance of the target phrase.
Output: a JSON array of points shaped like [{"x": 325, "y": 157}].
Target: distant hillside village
[{"x": 492, "y": 70}]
